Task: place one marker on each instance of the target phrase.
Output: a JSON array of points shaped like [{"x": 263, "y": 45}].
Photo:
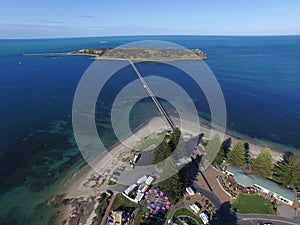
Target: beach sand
[{"x": 80, "y": 191}]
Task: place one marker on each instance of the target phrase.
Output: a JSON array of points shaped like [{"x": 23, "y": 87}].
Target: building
[
  {"x": 130, "y": 189},
  {"x": 136, "y": 192},
  {"x": 261, "y": 184},
  {"x": 194, "y": 208},
  {"x": 149, "y": 180},
  {"x": 141, "y": 180},
  {"x": 143, "y": 188},
  {"x": 190, "y": 191},
  {"x": 118, "y": 218}
]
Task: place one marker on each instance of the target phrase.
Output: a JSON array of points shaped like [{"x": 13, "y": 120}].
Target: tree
[
  {"x": 212, "y": 150},
  {"x": 226, "y": 145},
  {"x": 262, "y": 165},
  {"x": 219, "y": 158},
  {"x": 236, "y": 156},
  {"x": 288, "y": 172},
  {"x": 162, "y": 151},
  {"x": 167, "y": 146},
  {"x": 247, "y": 152},
  {"x": 170, "y": 180},
  {"x": 281, "y": 173}
]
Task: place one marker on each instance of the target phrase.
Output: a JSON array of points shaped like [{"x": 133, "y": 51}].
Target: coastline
[
  {"x": 85, "y": 185},
  {"x": 132, "y": 53}
]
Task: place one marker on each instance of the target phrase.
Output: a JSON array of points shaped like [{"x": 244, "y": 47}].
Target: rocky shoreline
[{"x": 133, "y": 53}]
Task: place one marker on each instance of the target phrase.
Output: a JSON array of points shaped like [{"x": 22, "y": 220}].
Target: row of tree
[
  {"x": 286, "y": 171},
  {"x": 165, "y": 154}
]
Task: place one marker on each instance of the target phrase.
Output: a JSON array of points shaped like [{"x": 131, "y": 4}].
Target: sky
[{"x": 78, "y": 18}]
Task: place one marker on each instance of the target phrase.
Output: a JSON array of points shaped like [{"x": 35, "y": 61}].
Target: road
[
  {"x": 252, "y": 219},
  {"x": 153, "y": 97}
]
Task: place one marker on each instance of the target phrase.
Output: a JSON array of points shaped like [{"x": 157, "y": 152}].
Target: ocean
[{"x": 259, "y": 77}]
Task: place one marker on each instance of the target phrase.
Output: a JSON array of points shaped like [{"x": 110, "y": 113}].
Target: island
[{"x": 134, "y": 54}]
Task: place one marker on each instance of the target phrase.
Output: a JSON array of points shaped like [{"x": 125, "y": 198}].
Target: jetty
[{"x": 163, "y": 112}]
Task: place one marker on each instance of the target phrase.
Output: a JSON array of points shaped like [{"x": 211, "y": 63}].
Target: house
[{"x": 261, "y": 184}]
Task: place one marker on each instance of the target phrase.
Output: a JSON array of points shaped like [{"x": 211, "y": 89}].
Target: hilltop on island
[{"x": 135, "y": 53}]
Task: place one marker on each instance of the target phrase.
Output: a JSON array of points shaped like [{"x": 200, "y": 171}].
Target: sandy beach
[{"x": 80, "y": 191}]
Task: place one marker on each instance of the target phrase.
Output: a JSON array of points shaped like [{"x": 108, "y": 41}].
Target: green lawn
[
  {"x": 253, "y": 203},
  {"x": 185, "y": 212},
  {"x": 148, "y": 141},
  {"x": 110, "y": 182},
  {"x": 142, "y": 211},
  {"x": 122, "y": 202}
]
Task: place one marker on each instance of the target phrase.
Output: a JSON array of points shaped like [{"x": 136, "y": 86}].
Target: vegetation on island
[
  {"x": 143, "y": 53},
  {"x": 135, "y": 53}
]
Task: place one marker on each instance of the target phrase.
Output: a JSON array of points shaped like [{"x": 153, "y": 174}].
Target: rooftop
[{"x": 251, "y": 180}]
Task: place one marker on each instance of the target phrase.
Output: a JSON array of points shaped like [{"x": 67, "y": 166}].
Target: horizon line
[{"x": 152, "y": 35}]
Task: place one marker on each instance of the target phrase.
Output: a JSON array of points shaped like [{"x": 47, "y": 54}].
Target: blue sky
[{"x": 64, "y": 18}]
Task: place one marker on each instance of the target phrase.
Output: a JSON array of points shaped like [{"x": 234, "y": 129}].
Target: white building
[
  {"x": 149, "y": 180},
  {"x": 190, "y": 191}
]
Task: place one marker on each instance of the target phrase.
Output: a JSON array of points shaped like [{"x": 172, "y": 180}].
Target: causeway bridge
[{"x": 153, "y": 97}]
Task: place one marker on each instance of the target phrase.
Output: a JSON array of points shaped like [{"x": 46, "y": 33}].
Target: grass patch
[
  {"x": 110, "y": 182},
  {"x": 142, "y": 211},
  {"x": 148, "y": 141},
  {"x": 253, "y": 203},
  {"x": 185, "y": 212},
  {"x": 121, "y": 202}
]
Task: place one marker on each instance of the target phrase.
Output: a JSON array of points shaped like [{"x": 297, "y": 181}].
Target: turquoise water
[{"x": 259, "y": 77}]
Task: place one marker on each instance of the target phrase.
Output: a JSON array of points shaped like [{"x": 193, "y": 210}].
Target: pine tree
[
  {"x": 262, "y": 165},
  {"x": 212, "y": 149},
  {"x": 171, "y": 182},
  {"x": 287, "y": 172},
  {"x": 281, "y": 173},
  {"x": 236, "y": 156},
  {"x": 294, "y": 170}
]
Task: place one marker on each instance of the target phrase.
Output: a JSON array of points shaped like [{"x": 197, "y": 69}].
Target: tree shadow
[{"x": 224, "y": 215}]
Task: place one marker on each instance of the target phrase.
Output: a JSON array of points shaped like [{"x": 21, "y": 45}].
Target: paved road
[
  {"x": 173, "y": 209},
  {"x": 250, "y": 219},
  {"x": 155, "y": 100}
]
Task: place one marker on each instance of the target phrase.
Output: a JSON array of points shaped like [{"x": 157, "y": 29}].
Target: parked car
[
  {"x": 262, "y": 223},
  {"x": 109, "y": 192}
]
